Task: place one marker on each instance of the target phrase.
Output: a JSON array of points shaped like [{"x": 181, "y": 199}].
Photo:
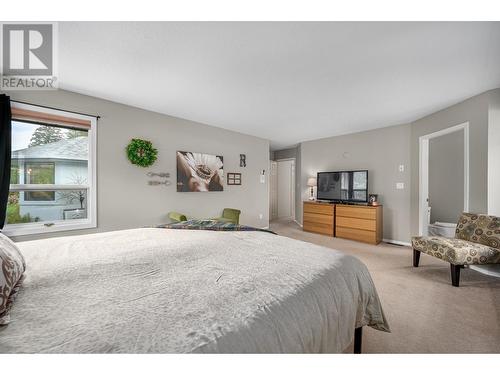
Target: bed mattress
[{"x": 177, "y": 291}]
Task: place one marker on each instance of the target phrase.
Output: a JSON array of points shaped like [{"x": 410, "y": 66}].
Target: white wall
[{"x": 125, "y": 200}]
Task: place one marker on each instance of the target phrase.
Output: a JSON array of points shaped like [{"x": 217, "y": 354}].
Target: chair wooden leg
[
  {"x": 416, "y": 257},
  {"x": 455, "y": 274},
  {"x": 358, "y": 338}
]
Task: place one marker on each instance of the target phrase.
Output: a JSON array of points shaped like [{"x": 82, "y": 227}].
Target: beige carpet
[{"x": 426, "y": 313}]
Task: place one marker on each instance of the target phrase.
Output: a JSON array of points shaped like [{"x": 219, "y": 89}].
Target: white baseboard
[
  {"x": 487, "y": 269},
  {"x": 402, "y": 243}
]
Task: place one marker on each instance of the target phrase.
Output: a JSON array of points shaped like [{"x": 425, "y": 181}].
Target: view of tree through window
[{"x": 48, "y": 155}]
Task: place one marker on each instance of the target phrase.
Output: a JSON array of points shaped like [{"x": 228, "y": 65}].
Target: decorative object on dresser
[
  {"x": 311, "y": 182},
  {"x": 319, "y": 217},
  {"x": 359, "y": 223},
  {"x": 233, "y": 178},
  {"x": 373, "y": 199}
]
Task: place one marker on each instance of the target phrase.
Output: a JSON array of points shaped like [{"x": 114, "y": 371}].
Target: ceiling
[{"x": 284, "y": 81}]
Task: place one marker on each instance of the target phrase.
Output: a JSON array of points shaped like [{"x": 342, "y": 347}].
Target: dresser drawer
[
  {"x": 353, "y": 222},
  {"x": 315, "y": 208},
  {"x": 357, "y": 234},
  {"x": 318, "y": 228},
  {"x": 359, "y": 212},
  {"x": 318, "y": 218}
]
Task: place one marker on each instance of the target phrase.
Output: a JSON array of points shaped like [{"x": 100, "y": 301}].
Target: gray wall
[
  {"x": 380, "y": 151},
  {"x": 288, "y": 153},
  {"x": 475, "y": 112},
  {"x": 124, "y": 198},
  {"x": 446, "y": 177}
]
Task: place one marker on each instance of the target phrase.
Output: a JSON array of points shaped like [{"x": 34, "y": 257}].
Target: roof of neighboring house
[{"x": 68, "y": 149}]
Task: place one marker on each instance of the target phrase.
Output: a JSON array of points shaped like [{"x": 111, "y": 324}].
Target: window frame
[{"x": 91, "y": 187}]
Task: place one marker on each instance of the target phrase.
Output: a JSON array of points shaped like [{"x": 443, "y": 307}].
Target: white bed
[{"x": 188, "y": 291}]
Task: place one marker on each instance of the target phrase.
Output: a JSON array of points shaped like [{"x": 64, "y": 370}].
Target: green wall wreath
[{"x": 141, "y": 152}]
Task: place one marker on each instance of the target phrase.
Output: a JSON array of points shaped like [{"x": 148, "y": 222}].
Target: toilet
[{"x": 442, "y": 229}]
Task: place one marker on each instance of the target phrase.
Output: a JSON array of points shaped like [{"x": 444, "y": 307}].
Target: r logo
[{"x": 27, "y": 49}]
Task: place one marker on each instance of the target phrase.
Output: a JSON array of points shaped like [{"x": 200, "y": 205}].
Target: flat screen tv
[{"x": 343, "y": 186}]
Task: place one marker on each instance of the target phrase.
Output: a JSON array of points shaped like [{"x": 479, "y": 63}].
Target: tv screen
[{"x": 344, "y": 186}]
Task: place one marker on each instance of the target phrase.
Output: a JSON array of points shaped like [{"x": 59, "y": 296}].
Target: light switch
[
  {"x": 400, "y": 185},
  {"x": 401, "y": 167},
  {"x": 262, "y": 179}
]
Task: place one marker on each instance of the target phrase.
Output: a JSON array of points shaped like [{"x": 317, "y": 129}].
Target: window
[
  {"x": 52, "y": 171},
  {"x": 359, "y": 186},
  {"x": 39, "y": 173}
]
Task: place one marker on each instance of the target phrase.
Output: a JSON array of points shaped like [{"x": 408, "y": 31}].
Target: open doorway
[
  {"x": 444, "y": 179},
  {"x": 282, "y": 189}
]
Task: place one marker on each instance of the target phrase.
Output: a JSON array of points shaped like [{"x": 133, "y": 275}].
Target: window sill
[{"x": 39, "y": 228}]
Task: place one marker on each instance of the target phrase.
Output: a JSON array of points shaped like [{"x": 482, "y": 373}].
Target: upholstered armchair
[
  {"x": 477, "y": 241},
  {"x": 230, "y": 215}
]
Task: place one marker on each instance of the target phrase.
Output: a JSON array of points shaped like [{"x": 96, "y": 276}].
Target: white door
[
  {"x": 273, "y": 191},
  {"x": 285, "y": 188}
]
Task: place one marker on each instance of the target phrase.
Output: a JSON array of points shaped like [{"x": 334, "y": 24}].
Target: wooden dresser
[
  {"x": 318, "y": 217},
  {"x": 360, "y": 223}
]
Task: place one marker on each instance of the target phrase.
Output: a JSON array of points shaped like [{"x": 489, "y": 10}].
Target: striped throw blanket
[{"x": 196, "y": 224}]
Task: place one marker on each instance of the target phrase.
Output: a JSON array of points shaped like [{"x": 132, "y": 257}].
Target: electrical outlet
[
  {"x": 261, "y": 216},
  {"x": 400, "y": 185},
  {"x": 401, "y": 167}
]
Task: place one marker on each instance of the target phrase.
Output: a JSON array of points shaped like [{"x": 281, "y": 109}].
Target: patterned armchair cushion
[
  {"x": 456, "y": 251},
  {"x": 482, "y": 229}
]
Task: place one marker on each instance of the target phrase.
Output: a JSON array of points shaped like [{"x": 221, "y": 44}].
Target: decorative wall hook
[
  {"x": 160, "y": 174},
  {"x": 156, "y": 183},
  {"x": 164, "y": 175}
]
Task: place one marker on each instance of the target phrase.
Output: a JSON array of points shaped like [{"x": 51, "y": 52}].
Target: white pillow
[{"x": 12, "y": 267}]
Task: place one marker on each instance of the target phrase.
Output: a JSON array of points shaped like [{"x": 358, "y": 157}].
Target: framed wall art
[
  {"x": 234, "y": 178},
  {"x": 199, "y": 172}
]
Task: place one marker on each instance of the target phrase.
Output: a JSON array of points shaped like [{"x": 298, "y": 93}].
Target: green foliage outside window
[{"x": 13, "y": 214}]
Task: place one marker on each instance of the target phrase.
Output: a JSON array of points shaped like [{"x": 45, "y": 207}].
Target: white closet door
[{"x": 286, "y": 169}]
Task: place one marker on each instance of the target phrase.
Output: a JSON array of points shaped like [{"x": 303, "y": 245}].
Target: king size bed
[{"x": 158, "y": 290}]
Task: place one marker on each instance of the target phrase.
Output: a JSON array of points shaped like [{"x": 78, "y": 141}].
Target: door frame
[
  {"x": 292, "y": 185},
  {"x": 273, "y": 190},
  {"x": 423, "y": 191}
]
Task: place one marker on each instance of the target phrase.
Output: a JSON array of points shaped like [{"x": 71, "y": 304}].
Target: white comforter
[{"x": 183, "y": 291}]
